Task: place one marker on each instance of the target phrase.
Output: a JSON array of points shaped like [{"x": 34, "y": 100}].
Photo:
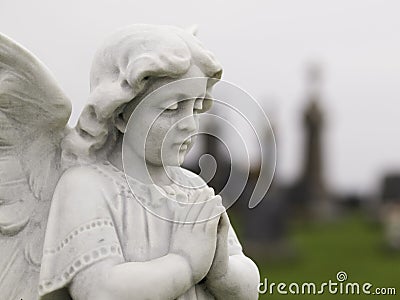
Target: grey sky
[{"x": 264, "y": 47}]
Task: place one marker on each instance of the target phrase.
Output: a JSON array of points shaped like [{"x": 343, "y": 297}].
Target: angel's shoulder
[
  {"x": 84, "y": 180},
  {"x": 85, "y": 176},
  {"x": 84, "y": 190},
  {"x": 82, "y": 174}
]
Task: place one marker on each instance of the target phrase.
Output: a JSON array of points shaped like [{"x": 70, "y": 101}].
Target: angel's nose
[{"x": 187, "y": 123}]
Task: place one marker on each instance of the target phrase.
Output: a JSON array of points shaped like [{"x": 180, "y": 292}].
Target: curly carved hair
[{"x": 121, "y": 71}]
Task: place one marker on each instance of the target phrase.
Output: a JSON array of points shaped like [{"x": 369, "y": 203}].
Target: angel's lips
[{"x": 185, "y": 145}]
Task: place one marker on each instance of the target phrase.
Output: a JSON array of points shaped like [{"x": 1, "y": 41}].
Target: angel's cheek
[{"x": 159, "y": 146}]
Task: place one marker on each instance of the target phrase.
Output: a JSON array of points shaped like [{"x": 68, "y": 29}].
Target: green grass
[{"x": 351, "y": 245}]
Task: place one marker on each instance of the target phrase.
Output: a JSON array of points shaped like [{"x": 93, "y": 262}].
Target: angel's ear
[{"x": 193, "y": 29}]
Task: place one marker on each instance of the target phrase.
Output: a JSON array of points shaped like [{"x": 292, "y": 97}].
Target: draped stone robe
[{"x": 97, "y": 214}]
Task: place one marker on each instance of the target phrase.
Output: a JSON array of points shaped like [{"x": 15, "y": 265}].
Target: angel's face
[{"x": 162, "y": 128}]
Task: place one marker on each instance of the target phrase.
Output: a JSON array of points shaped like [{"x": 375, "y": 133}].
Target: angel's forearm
[
  {"x": 166, "y": 277},
  {"x": 240, "y": 281}
]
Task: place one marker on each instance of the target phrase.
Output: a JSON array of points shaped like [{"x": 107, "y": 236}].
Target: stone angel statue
[{"x": 72, "y": 220}]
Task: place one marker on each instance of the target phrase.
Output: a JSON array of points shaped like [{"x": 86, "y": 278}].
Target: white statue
[{"x": 72, "y": 222}]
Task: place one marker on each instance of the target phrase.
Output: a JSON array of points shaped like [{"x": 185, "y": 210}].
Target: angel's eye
[{"x": 172, "y": 107}]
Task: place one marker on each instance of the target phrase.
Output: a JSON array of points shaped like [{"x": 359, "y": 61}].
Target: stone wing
[{"x": 33, "y": 117}]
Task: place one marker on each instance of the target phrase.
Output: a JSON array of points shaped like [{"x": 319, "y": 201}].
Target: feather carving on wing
[{"x": 33, "y": 117}]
